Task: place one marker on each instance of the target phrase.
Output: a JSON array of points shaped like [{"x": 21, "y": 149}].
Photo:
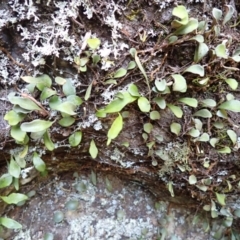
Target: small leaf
[
  {"x": 189, "y": 27},
  {"x": 14, "y": 198},
  {"x": 160, "y": 102},
  {"x": 221, "y": 198},
  {"x": 131, "y": 65},
  {"x": 60, "y": 80},
  {"x": 177, "y": 111},
  {"x": 224, "y": 150},
  {"x": 232, "y": 105},
  {"x": 10, "y": 223},
  {"x": 121, "y": 72},
  {"x": 147, "y": 127},
  {"x": 58, "y": 216},
  {"x": 88, "y": 92},
  {"x": 209, "y": 103},
  {"x": 133, "y": 90},
  {"x": 203, "y": 138},
  {"x": 93, "y": 150},
  {"x": 204, "y": 113},
  {"x": 36, "y": 125},
  {"x": 233, "y": 84},
  {"x": 198, "y": 38},
  {"x": 14, "y": 169},
  {"x": 217, "y": 13},
  {"x": 68, "y": 88},
  {"x": 38, "y": 163},
  {"x": 47, "y": 141},
  {"x": 66, "y": 107},
  {"x": 221, "y": 51},
  {"x": 119, "y": 103},
  {"x": 93, "y": 43},
  {"x": 222, "y": 113},
  {"x": 95, "y": 59},
  {"x": 198, "y": 124},
  {"x": 196, "y": 69},
  {"x": 75, "y": 138},
  {"x": 182, "y": 13},
  {"x": 46, "y": 93},
  {"x": 170, "y": 188},
  {"x": 192, "y": 179},
  {"x": 160, "y": 84},
  {"x": 213, "y": 142},
  {"x": 229, "y": 14},
  {"x": 17, "y": 133},
  {"x": 115, "y": 128},
  {"x": 72, "y": 204},
  {"x": 66, "y": 121},
  {"x": 5, "y": 180},
  {"x": 93, "y": 178},
  {"x": 24, "y": 103},
  {"x": 192, "y": 102},
  {"x": 180, "y": 84},
  {"x": 41, "y": 81},
  {"x": 175, "y": 128},
  {"x": 154, "y": 115},
  {"x": 232, "y": 135},
  {"x": 200, "y": 52},
  {"x": 144, "y": 104},
  {"x": 194, "y": 132},
  {"x": 77, "y": 101},
  {"x": 14, "y": 118}
]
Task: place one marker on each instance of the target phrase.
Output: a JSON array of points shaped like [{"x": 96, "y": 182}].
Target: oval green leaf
[
  {"x": 232, "y": 105},
  {"x": 175, "y": 128},
  {"x": 144, "y": 104},
  {"x": 93, "y": 149},
  {"x": 115, "y": 128},
  {"x": 204, "y": 113},
  {"x": 14, "y": 198},
  {"x": 75, "y": 138},
  {"x": 121, "y": 72},
  {"x": 38, "y": 163},
  {"x": 36, "y": 125},
  {"x": 177, "y": 111},
  {"x": 192, "y": 102}
]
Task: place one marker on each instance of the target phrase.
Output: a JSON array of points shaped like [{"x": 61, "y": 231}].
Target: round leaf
[
  {"x": 14, "y": 118},
  {"x": 66, "y": 121},
  {"x": 93, "y": 43},
  {"x": 194, "y": 132},
  {"x": 147, "y": 127},
  {"x": 160, "y": 84},
  {"x": 5, "y": 180},
  {"x": 175, "y": 128},
  {"x": 144, "y": 104},
  {"x": 60, "y": 80},
  {"x": 68, "y": 88},
  {"x": 75, "y": 138},
  {"x": 192, "y": 179},
  {"x": 221, "y": 51},
  {"x": 233, "y": 84},
  {"x": 133, "y": 90},
  {"x": 180, "y": 84},
  {"x": 154, "y": 115}
]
